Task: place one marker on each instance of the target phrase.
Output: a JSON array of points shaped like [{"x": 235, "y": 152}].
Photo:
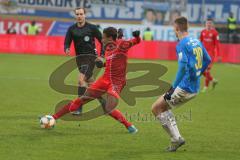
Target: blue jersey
[{"x": 193, "y": 59}]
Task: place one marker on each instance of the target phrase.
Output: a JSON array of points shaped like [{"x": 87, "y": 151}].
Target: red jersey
[
  {"x": 210, "y": 40},
  {"x": 116, "y": 59}
]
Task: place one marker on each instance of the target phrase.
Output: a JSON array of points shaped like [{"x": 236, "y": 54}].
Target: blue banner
[
  {"x": 217, "y": 9},
  {"x": 59, "y": 28},
  {"x": 141, "y": 11}
]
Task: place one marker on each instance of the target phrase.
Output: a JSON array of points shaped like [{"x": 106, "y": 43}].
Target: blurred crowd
[{"x": 32, "y": 29}]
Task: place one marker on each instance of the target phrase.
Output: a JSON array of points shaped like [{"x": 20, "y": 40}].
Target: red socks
[
  {"x": 116, "y": 114},
  {"x": 208, "y": 78},
  {"x": 70, "y": 107}
]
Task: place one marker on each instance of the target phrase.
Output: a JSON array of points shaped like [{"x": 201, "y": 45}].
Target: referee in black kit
[{"x": 83, "y": 35}]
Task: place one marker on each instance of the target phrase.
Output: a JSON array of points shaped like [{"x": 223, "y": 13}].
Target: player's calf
[{"x": 81, "y": 89}]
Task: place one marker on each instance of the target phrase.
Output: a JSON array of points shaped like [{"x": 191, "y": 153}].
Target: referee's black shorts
[{"x": 86, "y": 64}]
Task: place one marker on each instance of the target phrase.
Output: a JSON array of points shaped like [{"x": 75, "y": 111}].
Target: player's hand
[
  {"x": 99, "y": 62},
  {"x": 67, "y": 51},
  {"x": 136, "y": 33}
]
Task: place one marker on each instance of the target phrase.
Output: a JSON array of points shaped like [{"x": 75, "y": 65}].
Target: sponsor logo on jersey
[
  {"x": 208, "y": 39},
  {"x": 180, "y": 56}
]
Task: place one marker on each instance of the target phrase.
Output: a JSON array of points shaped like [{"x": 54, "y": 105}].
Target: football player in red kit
[
  {"x": 112, "y": 81},
  {"x": 210, "y": 39}
]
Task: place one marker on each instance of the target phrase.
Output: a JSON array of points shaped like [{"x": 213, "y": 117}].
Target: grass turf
[{"x": 209, "y": 123}]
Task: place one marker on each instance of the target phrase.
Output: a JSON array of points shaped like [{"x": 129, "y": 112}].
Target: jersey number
[{"x": 198, "y": 52}]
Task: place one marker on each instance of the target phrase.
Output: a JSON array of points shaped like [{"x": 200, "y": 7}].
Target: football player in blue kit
[{"x": 193, "y": 60}]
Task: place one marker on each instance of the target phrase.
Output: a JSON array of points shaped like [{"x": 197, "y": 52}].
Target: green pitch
[{"x": 209, "y": 123}]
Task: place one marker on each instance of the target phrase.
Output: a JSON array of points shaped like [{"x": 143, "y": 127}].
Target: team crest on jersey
[
  {"x": 86, "y": 38},
  {"x": 111, "y": 46}
]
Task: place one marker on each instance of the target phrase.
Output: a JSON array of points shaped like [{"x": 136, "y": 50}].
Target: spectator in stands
[
  {"x": 11, "y": 30},
  {"x": 159, "y": 18},
  {"x": 148, "y": 34},
  {"x": 173, "y": 15},
  {"x": 33, "y": 29},
  {"x": 150, "y": 17},
  {"x": 232, "y": 26}
]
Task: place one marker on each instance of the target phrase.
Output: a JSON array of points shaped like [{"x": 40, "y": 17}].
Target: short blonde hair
[{"x": 182, "y": 23}]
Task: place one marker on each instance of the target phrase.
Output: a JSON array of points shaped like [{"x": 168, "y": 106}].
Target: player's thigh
[
  {"x": 98, "y": 88},
  {"x": 179, "y": 97},
  {"x": 115, "y": 89},
  {"x": 86, "y": 65}
]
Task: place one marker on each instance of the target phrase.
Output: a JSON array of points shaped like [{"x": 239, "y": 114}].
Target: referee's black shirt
[{"x": 83, "y": 38}]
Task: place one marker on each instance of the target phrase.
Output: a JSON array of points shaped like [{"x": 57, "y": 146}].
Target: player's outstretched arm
[
  {"x": 127, "y": 44},
  {"x": 136, "y": 39},
  {"x": 67, "y": 41},
  {"x": 206, "y": 59}
]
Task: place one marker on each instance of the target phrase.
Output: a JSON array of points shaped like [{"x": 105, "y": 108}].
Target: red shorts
[{"x": 103, "y": 85}]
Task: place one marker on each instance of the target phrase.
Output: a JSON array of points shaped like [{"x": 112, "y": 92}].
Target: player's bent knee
[
  {"x": 154, "y": 108},
  {"x": 109, "y": 109},
  {"x": 111, "y": 104},
  {"x": 82, "y": 83},
  {"x": 159, "y": 106}
]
